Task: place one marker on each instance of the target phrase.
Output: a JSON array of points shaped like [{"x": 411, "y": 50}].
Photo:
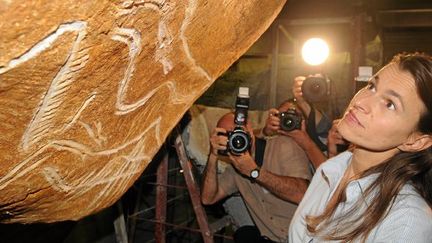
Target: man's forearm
[
  {"x": 209, "y": 188},
  {"x": 285, "y": 187},
  {"x": 315, "y": 155}
]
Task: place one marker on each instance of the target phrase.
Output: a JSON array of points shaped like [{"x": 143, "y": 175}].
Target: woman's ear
[{"x": 416, "y": 142}]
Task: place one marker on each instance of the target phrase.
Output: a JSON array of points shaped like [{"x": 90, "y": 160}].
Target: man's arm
[
  {"x": 271, "y": 126},
  {"x": 301, "y": 102},
  {"x": 313, "y": 152},
  {"x": 285, "y": 187},
  {"x": 210, "y": 190}
]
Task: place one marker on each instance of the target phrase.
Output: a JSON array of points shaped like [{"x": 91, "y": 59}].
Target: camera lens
[
  {"x": 238, "y": 142},
  {"x": 315, "y": 89},
  {"x": 287, "y": 124}
]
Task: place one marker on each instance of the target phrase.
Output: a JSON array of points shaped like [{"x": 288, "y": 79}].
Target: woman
[{"x": 382, "y": 190}]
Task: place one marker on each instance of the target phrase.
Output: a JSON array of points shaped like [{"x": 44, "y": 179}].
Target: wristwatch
[{"x": 254, "y": 174}]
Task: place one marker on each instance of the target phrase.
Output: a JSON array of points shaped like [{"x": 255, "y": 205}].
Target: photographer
[
  {"x": 319, "y": 126},
  {"x": 271, "y": 191}
]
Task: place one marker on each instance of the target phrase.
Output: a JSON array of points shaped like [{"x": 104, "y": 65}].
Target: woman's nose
[{"x": 363, "y": 103}]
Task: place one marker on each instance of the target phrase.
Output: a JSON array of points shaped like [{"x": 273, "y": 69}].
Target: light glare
[{"x": 315, "y": 51}]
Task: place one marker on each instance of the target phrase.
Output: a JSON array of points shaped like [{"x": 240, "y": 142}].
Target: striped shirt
[{"x": 409, "y": 220}]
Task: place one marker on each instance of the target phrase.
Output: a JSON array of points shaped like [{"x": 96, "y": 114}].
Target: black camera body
[
  {"x": 239, "y": 140},
  {"x": 316, "y": 89},
  {"x": 290, "y": 120}
]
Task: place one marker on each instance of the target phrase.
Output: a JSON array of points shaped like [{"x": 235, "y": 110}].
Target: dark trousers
[{"x": 249, "y": 234}]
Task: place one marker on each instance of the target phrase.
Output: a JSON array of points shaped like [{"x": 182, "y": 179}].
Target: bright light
[{"x": 315, "y": 51}]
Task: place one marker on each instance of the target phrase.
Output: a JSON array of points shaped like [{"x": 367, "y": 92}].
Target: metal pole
[
  {"x": 358, "y": 48},
  {"x": 194, "y": 193},
  {"x": 274, "y": 65},
  {"x": 161, "y": 199}
]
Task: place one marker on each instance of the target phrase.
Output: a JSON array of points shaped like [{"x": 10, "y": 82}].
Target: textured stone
[{"x": 89, "y": 90}]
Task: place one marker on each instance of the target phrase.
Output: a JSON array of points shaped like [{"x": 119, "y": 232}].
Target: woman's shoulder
[
  {"x": 408, "y": 198},
  {"x": 408, "y": 220}
]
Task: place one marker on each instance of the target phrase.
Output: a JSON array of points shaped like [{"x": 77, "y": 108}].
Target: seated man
[{"x": 271, "y": 191}]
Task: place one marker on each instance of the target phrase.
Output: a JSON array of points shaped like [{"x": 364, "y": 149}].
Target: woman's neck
[{"x": 364, "y": 159}]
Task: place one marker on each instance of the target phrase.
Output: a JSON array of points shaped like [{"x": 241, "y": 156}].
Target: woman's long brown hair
[{"x": 413, "y": 168}]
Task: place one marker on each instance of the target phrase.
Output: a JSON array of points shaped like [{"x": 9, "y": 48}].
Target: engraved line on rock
[
  {"x": 132, "y": 38},
  {"x": 186, "y": 21},
  {"x": 80, "y": 110},
  {"x": 47, "y": 42},
  {"x": 165, "y": 40},
  {"x": 42, "y": 120},
  {"x": 27, "y": 165},
  {"x": 130, "y": 7}
]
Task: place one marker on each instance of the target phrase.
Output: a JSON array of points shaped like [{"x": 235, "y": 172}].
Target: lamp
[{"x": 315, "y": 51}]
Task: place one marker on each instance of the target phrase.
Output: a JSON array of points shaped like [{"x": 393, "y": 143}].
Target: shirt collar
[{"x": 334, "y": 169}]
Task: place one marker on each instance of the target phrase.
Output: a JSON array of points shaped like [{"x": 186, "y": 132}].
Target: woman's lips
[{"x": 352, "y": 118}]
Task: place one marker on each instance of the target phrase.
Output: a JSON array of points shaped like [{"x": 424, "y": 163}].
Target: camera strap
[
  {"x": 311, "y": 130},
  {"x": 260, "y": 145}
]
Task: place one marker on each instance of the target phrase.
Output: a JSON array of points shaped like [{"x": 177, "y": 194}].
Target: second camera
[{"x": 290, "y": 120}]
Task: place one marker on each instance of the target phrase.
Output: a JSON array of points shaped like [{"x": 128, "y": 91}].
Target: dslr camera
[
  {"x": 316, "y": 88},
  {"x": 239, "y": 140},
  {"x": 290, "y": 120}
]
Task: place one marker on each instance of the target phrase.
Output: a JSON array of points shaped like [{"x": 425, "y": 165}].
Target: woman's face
[{"x": 385, "y": 113}]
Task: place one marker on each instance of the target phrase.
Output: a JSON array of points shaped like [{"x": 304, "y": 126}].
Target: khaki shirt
[{"x": 272, "y": 215}]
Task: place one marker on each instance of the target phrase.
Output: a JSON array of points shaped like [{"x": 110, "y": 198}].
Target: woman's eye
[
  {"x": 390, "y": 105},
  {"x": 370, "y": 86}
]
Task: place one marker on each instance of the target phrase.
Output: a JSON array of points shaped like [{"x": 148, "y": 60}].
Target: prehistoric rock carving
[
  {"x": 77, "y": 59},
  {"x": 89, "y": 90}
]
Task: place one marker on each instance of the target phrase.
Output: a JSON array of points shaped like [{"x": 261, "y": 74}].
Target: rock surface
[{"x": 89, "y": 90}]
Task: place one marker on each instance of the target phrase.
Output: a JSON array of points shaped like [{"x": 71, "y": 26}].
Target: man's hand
[
  {"x": 333, "y": 139},
  {"x": 218, "y": 142},
  {"x": 297, "y": 89},
  {"x": 300, "y": 136},
  {"x": 272, "y": 123},
  {"x": 298, "y": 95},
  {"x": 244, "y": 163}
]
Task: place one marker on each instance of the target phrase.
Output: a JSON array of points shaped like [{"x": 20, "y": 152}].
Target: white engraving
[
  {"x": 83, "y": 151},
  {"x": 130, "y": 7},
  {"x": 57, "y": 182},
  {"x": 44, "y": 44},
  {"x": 92, "y": 134},
  {"x": 187, "y": 20},
  {"x": 164, "y": 47},
  {"x": 116, "y": 173},
  {"x": 132, "y": 38},
  {"x": 53, "y": 98},
  {"x": 20, "y": 170},
  {"x": 80, "y": 110}
]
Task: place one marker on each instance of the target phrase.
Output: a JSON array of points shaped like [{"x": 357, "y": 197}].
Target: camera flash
[{"x": 243, "y": 92}]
